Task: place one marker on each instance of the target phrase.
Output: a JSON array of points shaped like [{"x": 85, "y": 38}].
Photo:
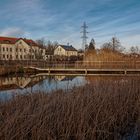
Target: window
[
  {"x": 20, "y": 50},
  {"x": 16, "y": 56},
  {"x": 7, "y": 56},
  {"x": 24, "y": 50},
  {"x": 20, "y": 56},
  {"x": 10, "y": 56},
  {"x": 16, "y": 49},
  {"x": 7, "y": 49},
  {"x": 6, "y": 41},
  {"x": 3, "y": 55},
  {"x": 10, "y": 49},
  {"x": 3, "y": 49}
]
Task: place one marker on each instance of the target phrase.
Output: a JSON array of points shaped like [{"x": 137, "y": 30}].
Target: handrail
[{"x": 78, "y": 64}]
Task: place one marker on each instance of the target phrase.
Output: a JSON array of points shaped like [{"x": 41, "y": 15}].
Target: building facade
[
  {"x": 65, "y": 50},
  {"x": 20, "y": 49}
]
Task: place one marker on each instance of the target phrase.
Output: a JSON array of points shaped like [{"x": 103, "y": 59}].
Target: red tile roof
[{"x": 10, "y": 40}]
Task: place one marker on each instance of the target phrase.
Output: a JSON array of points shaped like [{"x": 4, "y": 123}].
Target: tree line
[{"x": 113, "y": 45}]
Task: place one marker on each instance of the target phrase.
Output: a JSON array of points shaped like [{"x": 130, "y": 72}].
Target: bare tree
[
  {"x": 114, "y": 45},
  {"x": 134, "y": 49},
  {"x": 106, "y": 47},
  {"x": 41, "y": 42},
  {"x": 50, "y": 47}
]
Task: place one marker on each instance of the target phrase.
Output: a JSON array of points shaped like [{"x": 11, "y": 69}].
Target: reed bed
[{"x": 105, "y": 110}]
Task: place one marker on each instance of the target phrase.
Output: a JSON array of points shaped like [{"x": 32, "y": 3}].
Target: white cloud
[{"x": 13, "y": 32}]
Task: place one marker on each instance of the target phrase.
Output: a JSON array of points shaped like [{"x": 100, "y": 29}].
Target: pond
[
  {"x": 17, "y": 84},
  {"x": 12, "y": 85}
]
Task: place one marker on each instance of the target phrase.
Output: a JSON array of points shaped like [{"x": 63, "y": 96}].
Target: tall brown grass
[{"x": 106, "y": 110}]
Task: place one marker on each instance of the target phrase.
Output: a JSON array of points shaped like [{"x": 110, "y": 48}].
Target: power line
[{"x": 84, "y": 35}]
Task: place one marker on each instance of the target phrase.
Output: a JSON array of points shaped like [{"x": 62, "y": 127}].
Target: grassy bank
[{"x": 106, "y": 110}]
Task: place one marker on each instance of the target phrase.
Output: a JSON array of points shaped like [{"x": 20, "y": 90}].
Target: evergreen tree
[{"x": 92, "y": 45}]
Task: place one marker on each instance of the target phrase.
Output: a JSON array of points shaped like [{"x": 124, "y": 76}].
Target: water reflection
[
  {"x": 45, "y": 83},
  {"x": 40, "y": 83}
]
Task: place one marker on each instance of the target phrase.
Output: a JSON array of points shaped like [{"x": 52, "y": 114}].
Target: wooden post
[
  {"x": 86, "y": 71},
  {"x": 125, "y": 72},
  {"x": 49, "y": 71}
]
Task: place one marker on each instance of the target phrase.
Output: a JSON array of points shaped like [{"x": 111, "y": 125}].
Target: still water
[{"x": 12, "y": 85}]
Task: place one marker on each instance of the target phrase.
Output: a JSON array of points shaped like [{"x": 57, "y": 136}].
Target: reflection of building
[
  {"x": 63, "y": 78},
  {"x": 20, "y": 49},
  {"x": 65, "y": 50},
  {"x": 14, "y": 82},
  {"x": 19, "y": 82}
]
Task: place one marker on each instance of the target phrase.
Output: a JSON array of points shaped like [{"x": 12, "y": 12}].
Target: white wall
[
  {"x": 60, "y": 51},
  {"x": 19, "y": 51}
]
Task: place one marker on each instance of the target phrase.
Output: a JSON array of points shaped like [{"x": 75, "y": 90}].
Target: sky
[{"x": 61, "y": 20}]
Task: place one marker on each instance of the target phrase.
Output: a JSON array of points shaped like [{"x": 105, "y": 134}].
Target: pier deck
[{"x": 90, "y": 71}]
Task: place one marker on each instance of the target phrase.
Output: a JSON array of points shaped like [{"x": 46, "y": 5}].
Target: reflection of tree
[
  {"x": 112, "y": 79},
  {"x": 50, "y": 78}
]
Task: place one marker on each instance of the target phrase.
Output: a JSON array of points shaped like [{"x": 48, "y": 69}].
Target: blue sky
[{"x": 60, "y": 20}]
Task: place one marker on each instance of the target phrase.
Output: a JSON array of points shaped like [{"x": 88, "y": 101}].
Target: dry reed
[{"x": 105, "y": 110}]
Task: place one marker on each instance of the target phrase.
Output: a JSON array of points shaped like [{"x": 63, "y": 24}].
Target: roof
[
  {"x": 68, "y": 48},
  {"x": 11, "y": 40},
  {"x": 8, "y": 40}
]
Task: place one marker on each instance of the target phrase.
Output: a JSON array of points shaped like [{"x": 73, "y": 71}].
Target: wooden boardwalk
[
  {"x": 84, "y": 71},
  {"x": 90, "y": 68}
]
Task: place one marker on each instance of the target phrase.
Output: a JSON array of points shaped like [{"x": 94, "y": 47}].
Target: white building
[
  {"x": 20, "y": 49},
  {"x": 65, "y": 50}
]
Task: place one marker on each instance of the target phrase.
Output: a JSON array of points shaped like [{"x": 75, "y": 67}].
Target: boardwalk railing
[
  {"x": 92, "y": 65},
  {"x": 76, "y": 65}
]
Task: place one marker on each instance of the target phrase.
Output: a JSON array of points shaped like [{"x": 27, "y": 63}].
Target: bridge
[{"x": 90, "y": 68}]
